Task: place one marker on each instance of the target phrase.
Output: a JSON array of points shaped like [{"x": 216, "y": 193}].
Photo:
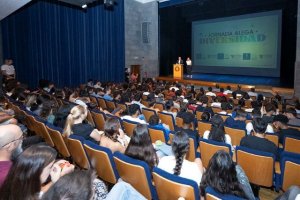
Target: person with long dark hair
[
  {"x": 30, "y": 171},
  {"x": 225, "y": 177},
  {"x": 217, "y": 131},
  {"x": 113, "y": 137},
  {"x": 140, "y": 146},
  {"x": 177, "y": 164}
]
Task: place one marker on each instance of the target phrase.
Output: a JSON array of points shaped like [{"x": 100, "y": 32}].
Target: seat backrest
[
  {"x": 156, "y": 134},
  {"x": 136, "y": 173},
  {"x": 202, "y": 127},
  {"x": 198, "y": 115},
  {"x": 167, "y": 119},
  {"x": 122, "y": 106},
  {"x": 99, "y": 119},
  {"x": 159, "y": 106},
  {"x": 42, "y": 130},
  {"x": 94, "y": 100},
  {"x": 128, "y": 126},
  {"x": 101, "y": 103},
  {"x": 273, "y": 138},
  {"x": 290, "y": 170},
  {"x": 291, "y": 144},
  {"x": 224, "y": 117},
  {"x": 216, "y": 109},
  {"x": 191, "y": 154},
  {"x": 145, "y": 103},
  {"x": 58, "y": 141},
  {"x": 148, "y": 113},
  {"x": 211, "y": 194},
  {"x": 102, "y": 161},
  {"x": 75, "y": 147},
  {"x": 258, "y": 165},
  {"x": 110, "y": 105},
  {"x": 236, "y": 135},
  {"x": 89, "y": 118},
  {"x": 170, "y": 186},
  {"x": 208, "y": 148}
]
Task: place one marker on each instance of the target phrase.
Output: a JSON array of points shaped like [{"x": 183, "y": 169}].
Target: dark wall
[
  {"x": 175, "y": 28},
  {"x": 64, "y": 44}
]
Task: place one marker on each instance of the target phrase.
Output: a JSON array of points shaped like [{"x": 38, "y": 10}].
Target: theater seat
[
  {"x": 75, "y": 147},
  {"x": 136, "y": 173},
  {"x": 170, "y": 186}
]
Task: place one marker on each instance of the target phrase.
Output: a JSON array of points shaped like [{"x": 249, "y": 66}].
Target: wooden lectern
[{"x": 177, "y": 71}]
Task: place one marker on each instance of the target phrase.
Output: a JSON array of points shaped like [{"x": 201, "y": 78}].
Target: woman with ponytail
[
  {"x": 217, "y": 132},
  {"x": 75, "y": 125},
  {"x": 177, "y": 164}
]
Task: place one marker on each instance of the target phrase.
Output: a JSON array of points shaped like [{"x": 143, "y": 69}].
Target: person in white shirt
[
  {"x": 189, "y": 66},
  {"x": 8, "y": 70},
  {"x": 252, "y": 93},
  {"x": 228, "y": 90},
  {"x": 133, "y": 114},
  {"x": 177, "y": 164},
  {"x": 255, "y": 114},
  {"x": 210, "y": 93},
  {"x": 217, "y": 132}
]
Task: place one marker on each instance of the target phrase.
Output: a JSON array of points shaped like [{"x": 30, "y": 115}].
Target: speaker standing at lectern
[{"x": 179, "y": 61}]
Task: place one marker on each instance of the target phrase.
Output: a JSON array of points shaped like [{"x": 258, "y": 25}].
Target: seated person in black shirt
[
  {"x": 75, "y": 125},
  {"x": 257, "y": 140},
  {"x": 280, "y": 122},
  {"x": 188, "y": 119}
]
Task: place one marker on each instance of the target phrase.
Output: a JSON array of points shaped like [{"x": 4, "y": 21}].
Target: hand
[{"x": 60, "y": 168}]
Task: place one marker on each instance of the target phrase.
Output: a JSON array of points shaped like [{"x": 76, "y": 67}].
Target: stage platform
[{"x": 263, "y": 84}]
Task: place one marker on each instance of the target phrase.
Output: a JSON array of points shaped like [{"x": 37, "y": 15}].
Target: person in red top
[
  {"x": 221, "y": 93},
  {"x": 11, "y": 138}
]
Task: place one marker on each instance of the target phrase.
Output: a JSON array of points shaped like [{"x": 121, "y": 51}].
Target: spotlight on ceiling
[{"x": 84, "y": 6}]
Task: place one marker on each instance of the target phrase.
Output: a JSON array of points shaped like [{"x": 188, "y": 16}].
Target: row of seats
[{"x": 86, "y": 155}]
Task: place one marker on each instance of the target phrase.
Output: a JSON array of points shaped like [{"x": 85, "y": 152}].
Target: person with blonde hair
[{"x": 75, "y": 125}]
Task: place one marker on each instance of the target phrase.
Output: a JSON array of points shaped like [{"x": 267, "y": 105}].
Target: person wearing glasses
[{"x": 11, "y": 138}]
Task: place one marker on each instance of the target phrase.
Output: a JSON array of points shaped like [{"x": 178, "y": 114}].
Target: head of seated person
[
  {"x": 205, "y": 117},
  {"x": 77, "y": 115},
  {"x": 221, "y": 175},
  {"x": 256, "y": 113},
  {"x": 209, "y": 89},
  {"x": 111, "y": 129},
  {"x": 259, "y": 127},
  {"x": 168, "y": 105},
  {"x": 180, "y": 147},
  {"x": 134, "y": 110},
  {"x": 280, "y": 122},
  {"x": 154, "y": 120},
  {"x": 140, "y": 146},
  {"x": 240, "y": 115},
  {"x": 137, "y": 97},
  {"x": 224, "y": 106},
  {"x": 188, "y": 119},
  {"x": 75, "y": 185},
  {"x": 217, "y": 131},
  {"x": 241, "y": 102},
  {"x": 204, "y": 100},
  {"x": 270, "y": 109}
]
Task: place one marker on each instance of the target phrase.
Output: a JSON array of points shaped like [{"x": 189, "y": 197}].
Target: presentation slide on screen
[{"x": 240, "y": 44}]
